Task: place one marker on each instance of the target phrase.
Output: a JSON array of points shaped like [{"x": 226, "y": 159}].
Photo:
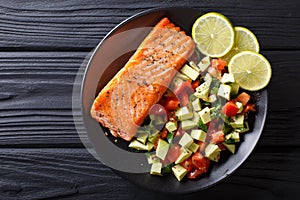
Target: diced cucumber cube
[
  {"x": 202, "y": 94},
  {"x": 190, "y": 72},
  {"x": 171, "y": 126},
  {"x": 198, "y": 135},
  {"x": 205, "y": 115},
  {"x": 224, "y": 91},
  {"x": 156, "y": 168},
  {"x": 186, "y": 140},
  {"x": 179, "y": 172},
  {"x": 204, "y": 63}
]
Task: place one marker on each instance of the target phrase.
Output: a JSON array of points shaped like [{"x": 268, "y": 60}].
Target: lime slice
[
  {"x": 213, "y": 34},
  {"x": 251, "y": 70},
  {"x": 244, "y": 40}
]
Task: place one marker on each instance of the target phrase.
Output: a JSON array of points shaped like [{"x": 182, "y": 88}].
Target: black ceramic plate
[{"x": 107, "y": 60}]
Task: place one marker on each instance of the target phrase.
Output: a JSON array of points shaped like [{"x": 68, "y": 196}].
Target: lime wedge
[
  {"x": 244, "y": 40},
  {"x": 213, "y": 34},
  {"x": 251, "y": 70}
]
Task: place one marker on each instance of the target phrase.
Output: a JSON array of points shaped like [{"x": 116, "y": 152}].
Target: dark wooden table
[{"x": 43, "y": 44}]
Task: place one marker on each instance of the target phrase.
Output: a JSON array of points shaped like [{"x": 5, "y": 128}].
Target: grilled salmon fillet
[{"x": 124, "y": 103}]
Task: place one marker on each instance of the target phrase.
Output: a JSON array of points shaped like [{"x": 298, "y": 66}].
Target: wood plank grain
[
  {"x": 75, "y": 174},
  {"x": 80, "y": 25},
  {"x": 36, "y": 99}
]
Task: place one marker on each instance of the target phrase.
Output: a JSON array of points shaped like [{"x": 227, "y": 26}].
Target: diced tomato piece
[
  {"x": 222, "y": 146},
  {"x": 249, "y": 107},
  {"x": 184, "y": 86},
  {"x": 171, "y": 103},
  {"x": 243, "y": 98},
  {"x": 195, "y": 84},
  {"x": 230, "y": 109},
  {"x": 173, "y": 153},
  {"x": 217, "y": 137},
  {"x": 194, "y": 173},
  {"x": 157, "y": 109},
  {"x": 200, "y": 162},
  {"x": 164, "y": 133},
  {"x": 187, "y": 164},
  {"x": 218, "y": 64}
]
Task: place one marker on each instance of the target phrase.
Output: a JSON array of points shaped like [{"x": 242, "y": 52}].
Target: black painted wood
[
  {"x": 42, "y": 46},
  {"x": 79, "y": 25},
  {"x": 74, "y": 174}
]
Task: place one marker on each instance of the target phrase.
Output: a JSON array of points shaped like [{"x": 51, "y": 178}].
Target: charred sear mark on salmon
[{"x": 128, "y": 97}]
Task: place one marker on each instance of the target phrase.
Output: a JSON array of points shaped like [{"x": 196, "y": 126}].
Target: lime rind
[
  {"x": 244, "y": 40},
  {"x": 251, "y": 70},
  {"x": 213, "y": 33}
]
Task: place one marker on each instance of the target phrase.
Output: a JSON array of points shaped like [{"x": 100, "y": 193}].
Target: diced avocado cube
[
  {"x": 194, "y": 147},
  {"x": 238, "y": 121},
  {"x": 186, "y": 140},
  {"x": 196, "y": 105},
  {"x": 228, "y": 136},
  {"x": 205, "y": 115},
  {"x": 212, "y": 98},
  {"x": 156, "y": 168},
  {"x": 215, "y": 156},
  {"x": 139, "y": 146},
  {"x": 244, "y": 129},
  {"x": 179, "y": 172},
  {"x": 208, "y": 79},
  {"x": 202, "y": 94},
  {"x": 171, "y": 126},
  {"x": 188, "y": 124},
  {"x": 227, "y": 78},
  {"x": 142, "y": 137},
  {"x": 198, "y": 135},
  {"x": 154, "y": 135},
  {"x": 212, "y": 152},
  {"x": 204, "y": 63},
  {"x": 224, "y": 91},
  {"x": 230, "y": 147},
  {"x": 185, "y": 154},
  {"x": 240, "y": 106},
  {"x": 234, "y": 88},
  {"x": 194, "y": 66},
  {"x": 235, "y": 136},
  {"x": 162, "y": 149},
  {"x": 176, "y": 81},
  {"x": 184, "y": 113},
  {"x": 182, "y": 76},
  {"x": 190, "y": 72},
  {"x": 196, "y": 117}
]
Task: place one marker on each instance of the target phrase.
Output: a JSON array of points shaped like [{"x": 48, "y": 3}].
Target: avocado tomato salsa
[{"x": 201, "y": 114}]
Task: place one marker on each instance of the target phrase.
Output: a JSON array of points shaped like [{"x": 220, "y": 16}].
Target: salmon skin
[{"x": 124, "y": 103}]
